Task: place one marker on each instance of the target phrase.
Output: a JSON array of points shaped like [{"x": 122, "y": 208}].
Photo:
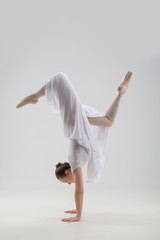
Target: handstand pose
[{"x": 62, "y": 95}]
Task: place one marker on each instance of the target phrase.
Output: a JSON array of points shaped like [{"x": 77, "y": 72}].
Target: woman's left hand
[{"x": 71, "y": 219}]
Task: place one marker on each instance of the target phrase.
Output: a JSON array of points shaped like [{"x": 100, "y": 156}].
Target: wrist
[{"x": 78, "y": 216}]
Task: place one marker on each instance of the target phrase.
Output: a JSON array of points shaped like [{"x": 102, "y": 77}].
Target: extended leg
[
  {"x": 111, "y": 113},
  {"x": 32, "y": 98}
]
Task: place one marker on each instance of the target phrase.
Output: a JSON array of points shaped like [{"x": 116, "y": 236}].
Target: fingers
[
  {"x": 70, "y": 211},
  {"x": 65, "y": 220}
]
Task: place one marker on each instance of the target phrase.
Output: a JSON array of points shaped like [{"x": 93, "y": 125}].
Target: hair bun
[{"x": 58, "y": 164}]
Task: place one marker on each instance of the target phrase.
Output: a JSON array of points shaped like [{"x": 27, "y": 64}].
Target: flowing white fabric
[{"x": 88, "y": 143}]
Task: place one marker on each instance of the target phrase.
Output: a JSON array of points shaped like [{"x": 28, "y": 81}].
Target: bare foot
[
  {"x": 125, "y": 83},
  {"x": 29, "y": 99}
]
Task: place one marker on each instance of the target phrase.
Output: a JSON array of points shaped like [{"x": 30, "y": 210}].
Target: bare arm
[{"x": 79, "y": 191}]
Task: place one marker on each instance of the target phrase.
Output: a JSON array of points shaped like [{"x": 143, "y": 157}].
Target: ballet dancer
[{"x": 86, "y": 129}]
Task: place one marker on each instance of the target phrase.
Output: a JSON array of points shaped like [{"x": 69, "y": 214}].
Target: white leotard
[{"x": 87, "y": 143}]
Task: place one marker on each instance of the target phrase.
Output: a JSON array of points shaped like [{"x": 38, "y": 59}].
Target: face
[{"x": 69, "y": 177}]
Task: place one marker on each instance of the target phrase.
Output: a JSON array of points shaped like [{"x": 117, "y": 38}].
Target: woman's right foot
[
  {"x": 29, "y": 99},
  {"x": 125, "y": 83}
]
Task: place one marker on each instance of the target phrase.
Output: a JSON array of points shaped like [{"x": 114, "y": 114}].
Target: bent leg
[
  {"x": 32, "y": 98},
  {"x": 99, "y": 121},
  {"x": 108, "y": 119}
]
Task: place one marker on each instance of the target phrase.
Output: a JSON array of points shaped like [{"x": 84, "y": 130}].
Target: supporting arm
[
  {"x": 79, "y": 203},
  {"x": 79, "y": 191}
]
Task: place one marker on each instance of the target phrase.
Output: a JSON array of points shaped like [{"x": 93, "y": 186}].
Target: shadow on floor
[{"x": 113, "y": 218}]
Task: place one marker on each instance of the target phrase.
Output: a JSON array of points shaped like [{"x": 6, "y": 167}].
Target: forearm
[{"x": 79, "y": 203}]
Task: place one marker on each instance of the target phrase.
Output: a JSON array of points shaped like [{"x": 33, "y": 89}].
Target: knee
[
  {"x": 61, "y": 76},
  {"x": 109, "y": 122}
]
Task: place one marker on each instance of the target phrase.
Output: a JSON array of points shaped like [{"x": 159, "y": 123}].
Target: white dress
[{"x": 87, "y": 143}]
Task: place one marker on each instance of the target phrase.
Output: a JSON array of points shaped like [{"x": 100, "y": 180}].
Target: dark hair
[{"x": 60, "y": 169}]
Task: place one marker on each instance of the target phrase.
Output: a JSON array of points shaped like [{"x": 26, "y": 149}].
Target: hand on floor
[
  {"x": 71, "y": 211},
  {"x": 71, "y": 219}
]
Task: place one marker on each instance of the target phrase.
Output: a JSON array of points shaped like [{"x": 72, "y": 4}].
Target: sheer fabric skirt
[{"x": 87, "y": 143}]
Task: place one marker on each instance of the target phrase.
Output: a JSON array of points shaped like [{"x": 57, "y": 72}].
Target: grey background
[{"x": 95, "y": 43}]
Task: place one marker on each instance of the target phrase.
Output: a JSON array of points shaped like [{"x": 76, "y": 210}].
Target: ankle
[{"x": 119, "y": 95}]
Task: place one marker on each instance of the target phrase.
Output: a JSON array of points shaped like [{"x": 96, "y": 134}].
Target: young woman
[{"x": 86, "y": 129}]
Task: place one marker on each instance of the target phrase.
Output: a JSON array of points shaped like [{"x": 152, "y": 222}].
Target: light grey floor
[{"x": 106, "y": 215}]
